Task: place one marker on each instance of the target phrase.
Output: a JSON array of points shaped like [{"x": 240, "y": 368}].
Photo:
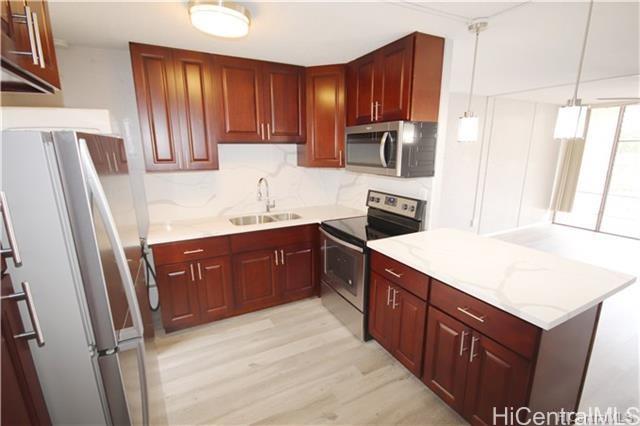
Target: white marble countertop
[
  {"x": 538, "y": 287},
  {"x": 180, "y": 230}
]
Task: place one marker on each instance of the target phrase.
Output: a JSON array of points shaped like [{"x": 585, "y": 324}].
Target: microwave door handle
[
  {"x": 383, "y": 143},
  {"x": 103, "y": 207}
]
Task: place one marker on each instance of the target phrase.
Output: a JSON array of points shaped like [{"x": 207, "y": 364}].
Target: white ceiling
[{"x": 528, "y": 45}]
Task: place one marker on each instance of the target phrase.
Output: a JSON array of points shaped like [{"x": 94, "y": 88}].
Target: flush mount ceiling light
[
  {"x": 468, "y": 123},
  {"x": 219, "y": 18},
  {"x": 570, "y": 123}
]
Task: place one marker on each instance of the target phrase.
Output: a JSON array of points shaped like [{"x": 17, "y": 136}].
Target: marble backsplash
[{"x": 232, "y": 189}]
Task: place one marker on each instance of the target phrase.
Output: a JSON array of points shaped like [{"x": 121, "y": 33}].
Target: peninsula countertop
[
  {"x": 538, "y": 287},
  {"x": 189, "y": 229}
]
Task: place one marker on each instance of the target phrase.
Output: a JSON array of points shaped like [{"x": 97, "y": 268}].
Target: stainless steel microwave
[{"x": 394, "y": 148}]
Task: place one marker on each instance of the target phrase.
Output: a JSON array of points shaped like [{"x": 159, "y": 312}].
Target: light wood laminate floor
[{"x": 296, "y": 364}]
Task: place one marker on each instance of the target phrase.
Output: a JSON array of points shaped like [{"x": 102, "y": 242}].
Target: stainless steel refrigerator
[{"x": 73, "y": 218}]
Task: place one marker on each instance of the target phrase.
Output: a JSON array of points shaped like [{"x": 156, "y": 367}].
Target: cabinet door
[
  {"x": 194, "y": 90},
  {"x": 255, "y": 279},
  {"x": 393, "y": 85},
  {"x": 298, "y": 271},
  {"x": 497, "y": 377},
  {"x": 380, "y": 311},
  {"x": 446, "y": 358},
  {"x": 178, "y": 296},
  {"x": 325, "y": 113},
  {"x": 22, "y": 399},
  {"x": 239, "y": 86},
  {"x": 284, "y": 103},
  {"x": 410, "y": 314},
  {"x": 214, "y": 288},
  {"x": 154, "y": 80},
  {"x": 360, "y": 86},
  {"x": 7, "y": 27}
]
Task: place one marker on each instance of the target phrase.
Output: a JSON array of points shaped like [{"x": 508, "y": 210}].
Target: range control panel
[{"x": 408, "y": 207}]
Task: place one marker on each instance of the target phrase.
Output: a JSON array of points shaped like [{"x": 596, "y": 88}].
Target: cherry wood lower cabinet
[
  {"x": 208, "y": 279},
  {"x": 474, "y": 356},
  {"x": 397, "y": 320}
]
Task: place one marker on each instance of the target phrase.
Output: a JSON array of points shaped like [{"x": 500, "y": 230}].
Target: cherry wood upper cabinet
[
  {"x": 284, "y": 102},
  {"x": 326, "y": 116},
  {"x": 259, "y": 101},
  {"x": 28, "y": 50},
  {"x": 400, "y": 81},
  {"x": 239, "y": 102},
  {"x": 174, "y": 91}
]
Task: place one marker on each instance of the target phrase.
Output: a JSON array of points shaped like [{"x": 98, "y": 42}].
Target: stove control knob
[
  {"x": 404, "y": 207},
  {"x": 413, "y": 208},
  {"x": 372, "y": 199}
]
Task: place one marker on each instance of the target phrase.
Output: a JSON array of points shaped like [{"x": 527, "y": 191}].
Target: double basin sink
[{"x": 256, "y": 219}]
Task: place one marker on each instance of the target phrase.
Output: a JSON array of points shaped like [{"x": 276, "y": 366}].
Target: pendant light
[
  {"x": 571, "y": 120},
  {"x": 468, "y": 123},
  {"x": 220, "y": 18}
]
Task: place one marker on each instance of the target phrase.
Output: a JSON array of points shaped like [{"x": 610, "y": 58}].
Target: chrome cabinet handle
[
  {"x": 275, "y": 252},
  {"x": 383, "y": 143},
  {"x": 371, "y": 110},
  {"x": 462, "y": 337},
  {"x": 193, "y": 251},
  {"x": 377, "y": 104},
  {"x": 262, "y": 131},
  {"x": 394, "y": 273},
  {"x": 109, "y": 162},
  {"x": 340, "y": 158},
  {"x": 282, "y": 257},
  {"x": 465, "y": 311},
  {"x": 393, "y": 300},
  {"x": 36, "y": 30},
  {"x": 199, "y": 272},
  {"x": 388, "y": 295},
  {"x": 27, "y": 18},
  {"x": 115, "y": 162},
  {"x": 269, "y": 131},
  {"x": 26, "y": 295},
  {"x": 12, "y": 251},
  {"x": 175, "y": 274},
  {"x": 473, "y": 354},
  {"x": 193, "y": 277}
]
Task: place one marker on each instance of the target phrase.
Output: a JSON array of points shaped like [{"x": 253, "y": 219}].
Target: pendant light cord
[
  {"x": 473, "y": 69},
  {"x": 584, "y": 49}
]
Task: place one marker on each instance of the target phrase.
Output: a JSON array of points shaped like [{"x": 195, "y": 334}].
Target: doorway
[{"x": 607, "y": 197}]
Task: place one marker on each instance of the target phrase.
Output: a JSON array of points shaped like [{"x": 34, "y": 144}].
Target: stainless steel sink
[
  {"x": 285, "y": 216},
  {"x": 253, "y": 219},
  {"x": 256, "y": 219}
]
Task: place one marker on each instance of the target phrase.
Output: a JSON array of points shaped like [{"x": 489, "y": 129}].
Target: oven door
[
  {"x": 373, "y": 149},
  {"x": 343, "y": 268}
]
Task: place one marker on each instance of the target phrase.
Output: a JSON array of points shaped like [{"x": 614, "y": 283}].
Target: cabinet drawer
[
  {"x": 185, "y": 251},
  {"x": 400, "y": 274},
  {"x": 501, "y": 326},
  {"x": 280, "y": 237}
]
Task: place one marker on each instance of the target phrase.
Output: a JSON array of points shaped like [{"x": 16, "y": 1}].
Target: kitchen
[{"x": 226, "y": 157}]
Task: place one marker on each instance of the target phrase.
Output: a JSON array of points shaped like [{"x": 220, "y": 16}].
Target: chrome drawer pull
[
  {"x": 193, "y": 251},
  {"x": 175, "y": 274},
  {"x": 465, "y": 310},
  {"x": 462, "y": 337},
  {"x": 33, "y": 315},
  {"x": 392, "y": 272}
]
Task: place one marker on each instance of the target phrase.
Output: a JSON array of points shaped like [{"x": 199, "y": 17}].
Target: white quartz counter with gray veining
[
  {"x": 538, "y": 287},
  {"x": 180, "y": 230}
]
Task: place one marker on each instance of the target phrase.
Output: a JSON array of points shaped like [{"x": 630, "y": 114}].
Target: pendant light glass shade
[
  {"x": 468, "y": 128},
  {"x": 220, "y": 19},
  {"x": 570, "y": 123}
]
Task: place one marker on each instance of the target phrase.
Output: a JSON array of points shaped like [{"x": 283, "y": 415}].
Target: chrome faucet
[{"x": 268, "y": 203}]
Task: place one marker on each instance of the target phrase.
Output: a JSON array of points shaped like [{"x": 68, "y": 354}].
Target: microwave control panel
[{"x": 408, "y": 207}]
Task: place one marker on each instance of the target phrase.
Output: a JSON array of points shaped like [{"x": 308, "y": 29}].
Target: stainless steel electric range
[{"x": 345, "y": 257}]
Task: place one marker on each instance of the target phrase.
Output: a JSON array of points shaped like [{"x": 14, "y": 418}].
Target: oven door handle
[
  {"x": 343, "y": 243},
  {"x": 383, "y": 143}
]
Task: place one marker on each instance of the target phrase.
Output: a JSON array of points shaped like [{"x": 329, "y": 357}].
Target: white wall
[
  {"x": 505, "y": 179},
  {"x": 93, "y": 77}
]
